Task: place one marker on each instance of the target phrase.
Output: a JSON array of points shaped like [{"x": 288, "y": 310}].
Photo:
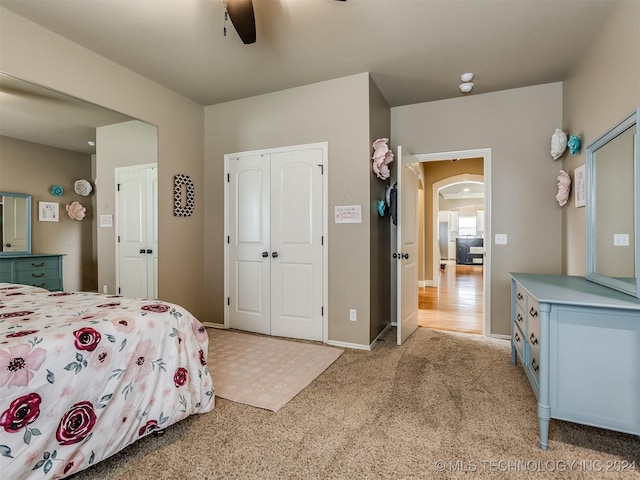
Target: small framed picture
[
  {"x": 48, "y": 211},
  {"x": 578, "y": 185}
]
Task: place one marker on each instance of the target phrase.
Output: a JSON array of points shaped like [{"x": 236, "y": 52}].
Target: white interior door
[
  {"x": 275, "y": 253},
  {"x": 137, "y": 238},
  {"x": 249, "y": 252},
  {"x": 407, "y": 246},
  {"x": 296, "y": 244}
]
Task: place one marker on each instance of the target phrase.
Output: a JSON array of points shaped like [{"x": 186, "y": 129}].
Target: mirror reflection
[
  {"x": 49, "y": 138},
  {"x": 612, "y": 205},
  {"x": 15, "y": 223}
]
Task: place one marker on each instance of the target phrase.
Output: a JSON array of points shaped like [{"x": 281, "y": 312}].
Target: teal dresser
[
  {"x": 579, "y": 344},
  {"x": 41, "y": 270}
]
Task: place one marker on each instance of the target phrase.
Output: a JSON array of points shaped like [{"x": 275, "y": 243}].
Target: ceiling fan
[{"x": 240, "y": 12}]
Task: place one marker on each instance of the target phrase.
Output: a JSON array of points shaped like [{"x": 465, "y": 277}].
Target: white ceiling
[{"x": 416, "y": 50}]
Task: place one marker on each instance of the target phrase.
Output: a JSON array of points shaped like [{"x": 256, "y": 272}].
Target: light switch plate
[
  {"x": 501, "y": 238},
  {"x": 620, "y": 240}
]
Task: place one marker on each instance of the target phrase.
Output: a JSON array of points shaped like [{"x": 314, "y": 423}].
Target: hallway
[{"x": 457, "y": 304}]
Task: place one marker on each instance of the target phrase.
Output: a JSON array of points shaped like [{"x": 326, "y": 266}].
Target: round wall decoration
[
  {"x": 82, "y": 187},
  {"x": 183, "y": 208}
]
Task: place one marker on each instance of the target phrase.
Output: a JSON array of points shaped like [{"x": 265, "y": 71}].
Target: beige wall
[
  {"x": 336, "y": 111},
  {"x": 517, "y": 126},
  {"x": 600, "y": 91},
  {"x": 48, "y": 166},
  {"x": 120, "y": 145},
  {"x": 380, "y": 253},
  {"x": 35, "y": 54}
]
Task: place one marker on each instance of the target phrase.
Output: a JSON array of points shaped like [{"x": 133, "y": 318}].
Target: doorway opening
[{"x": 455, "y": 228}]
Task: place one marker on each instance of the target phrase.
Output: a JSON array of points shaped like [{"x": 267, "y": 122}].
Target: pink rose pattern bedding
[{"x": 83, "y": 375}]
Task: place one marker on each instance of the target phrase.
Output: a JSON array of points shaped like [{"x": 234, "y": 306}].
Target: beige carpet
[
  {"x": 442, "y": 406},
  {"x": 262, "y": 371}
]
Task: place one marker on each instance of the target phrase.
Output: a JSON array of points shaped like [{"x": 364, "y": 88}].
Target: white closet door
[
  {"x": 137, "y": 246},
  {"x": 296, "y": 244},
  {"x": 249, "y": 247}
]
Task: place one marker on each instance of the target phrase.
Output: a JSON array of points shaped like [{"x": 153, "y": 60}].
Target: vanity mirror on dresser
[
  {"x": 578, "y": 338},
  {"x": 17, "y": 263}
]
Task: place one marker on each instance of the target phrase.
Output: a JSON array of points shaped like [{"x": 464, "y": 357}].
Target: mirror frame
[
  {"x": 591, "y": 150},
  {"x": 29, "y": 220}
]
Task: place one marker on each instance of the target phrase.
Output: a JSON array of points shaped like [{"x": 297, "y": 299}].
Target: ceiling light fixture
[
  {"x": 91, "y": 143},
  {"x": 466, "y": 77}
]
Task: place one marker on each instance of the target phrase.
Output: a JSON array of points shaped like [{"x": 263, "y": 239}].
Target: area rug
[{"x": 261, "y": 371}]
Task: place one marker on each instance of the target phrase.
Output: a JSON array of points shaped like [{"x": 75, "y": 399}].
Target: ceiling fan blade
[{"x": 242, "y": 17}]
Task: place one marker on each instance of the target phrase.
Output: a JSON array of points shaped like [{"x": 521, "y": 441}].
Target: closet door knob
[
  {"x": 405, "y": 256},
  {"x": 265, "y": 254},
  {"x": 274, "y": 254}
]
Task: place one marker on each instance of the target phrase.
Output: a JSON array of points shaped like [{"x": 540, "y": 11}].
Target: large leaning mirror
[
  {"x": 15, "y": 223},
  {"x": 51, "y": 138},
  {"x": 612, "y": 201}
]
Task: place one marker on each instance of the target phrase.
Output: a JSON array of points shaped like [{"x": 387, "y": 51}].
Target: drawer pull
[
  {"x": 517, "y": 337},
  {"x": 41, "y": 264},
  {"x": 520, "y": 297},
  {"x": 519, "y": 317},
  {"x": 533, "y": 312},
  {"x": 37, "y": 275},
  {"x": 534, "y": 340},
  {"x": 534, "y": 364}
]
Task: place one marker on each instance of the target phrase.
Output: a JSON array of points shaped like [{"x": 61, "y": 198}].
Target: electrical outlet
[
  {"x": 353, "y": 315},
  {"x": 104, "y": 289}
]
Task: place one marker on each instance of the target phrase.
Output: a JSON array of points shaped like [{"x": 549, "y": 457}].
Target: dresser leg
[
  {"x": 544, "y": 432},
  {"x": 514, "y": 354}
]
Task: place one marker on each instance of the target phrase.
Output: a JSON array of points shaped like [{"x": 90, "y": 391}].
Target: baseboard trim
[
  {"x": 213, "y": 325},
  {"x": 356, "y": 346},
  {"x": 500, "y": 336}
]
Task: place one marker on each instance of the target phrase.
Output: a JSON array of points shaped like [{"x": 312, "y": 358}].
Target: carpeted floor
[{"x": 444, "y": 405}]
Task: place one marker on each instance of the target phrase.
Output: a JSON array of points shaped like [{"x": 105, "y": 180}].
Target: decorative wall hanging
[
  {"x": 564, "y": 186},
  {"x": 48, "y": 211},
  {"x": 578, "y": 186},
  {"x": 558, "y": 144},
  {"x": 186, "y": 209},
  {"x": 82, "y": 187},
  {"x": 381, "y": 157},
  {"x": 76, "y": 211},
  {"x": 382, "y": 205},
  {"x": 57, "y": 190},
  {"x": 574, "y": 143}
]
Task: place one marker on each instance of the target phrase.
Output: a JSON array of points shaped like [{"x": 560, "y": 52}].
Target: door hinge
[
  {"x": 228, "y": 239},
  {"x": 228, "y": 300},
  {"x": 321, "y": 168},
  {"x": 118, "y": 187},
  {"x": 322, "y": 240},
  {"x": 118, "y": 238},
  {"x": 228, "y": 178},
  {"x": 119, "y": 291},
  {"x": 322, "y": 311}
]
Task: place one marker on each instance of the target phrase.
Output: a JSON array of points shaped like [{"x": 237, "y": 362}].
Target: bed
[{"x": 83, "y": 375}]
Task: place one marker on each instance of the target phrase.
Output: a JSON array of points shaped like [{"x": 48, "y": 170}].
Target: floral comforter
[{"x": 83, "y": 375}]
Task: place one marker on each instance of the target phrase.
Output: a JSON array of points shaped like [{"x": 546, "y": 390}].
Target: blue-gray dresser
[
  {"x": 39, "y": 270},
  {"x": 579, "y": 343}
]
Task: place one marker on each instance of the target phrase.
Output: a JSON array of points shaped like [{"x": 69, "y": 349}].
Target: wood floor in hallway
[{"x": 457, "y": 305}]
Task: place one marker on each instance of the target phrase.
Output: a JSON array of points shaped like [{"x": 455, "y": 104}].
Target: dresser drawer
[
  {"x": 533, "y": 362},
  {"x": 533, "y": 322},
  {"x": 5, "y": 277},
  {"x": 25, "y": 277},
  {"x": 5, "y": 267},
  {"x": 521, "y": 297},
  {"x": 51, "y": 284},
  {"x": 521, "y": 319},
  {"x": 35, "y": 264},
  {"x": 518, "y": 340}
]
